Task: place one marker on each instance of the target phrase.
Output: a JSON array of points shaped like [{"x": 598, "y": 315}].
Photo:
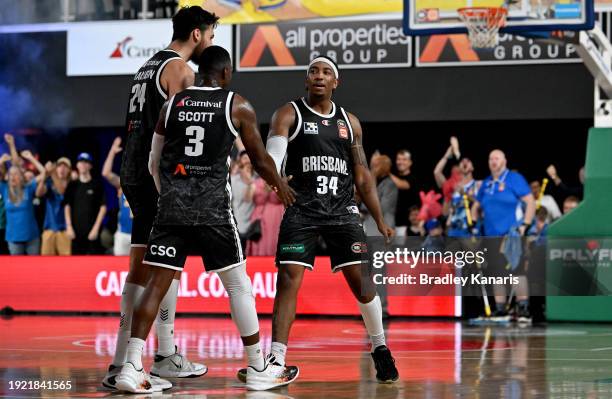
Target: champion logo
[
  {"x": 325, "y": 122},
  {"x": 182, "y": 102},
  {"x": 163, "y": 314},
  {"x": 118, "y": 53}
]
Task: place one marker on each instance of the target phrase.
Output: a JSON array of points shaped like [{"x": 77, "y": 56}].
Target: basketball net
[{"x": 483, "y": 24}]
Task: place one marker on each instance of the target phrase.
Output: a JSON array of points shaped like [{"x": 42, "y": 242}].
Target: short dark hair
[
  {"x": 214, "y": 60},
  {"x": 541, "y": 214},
  {"x": 190, "y": 18}
]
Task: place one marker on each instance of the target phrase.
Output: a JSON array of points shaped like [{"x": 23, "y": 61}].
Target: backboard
[{"x": 430, "y": 17}]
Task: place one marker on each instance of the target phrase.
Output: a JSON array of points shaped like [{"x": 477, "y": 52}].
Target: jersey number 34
[{"x": 326, "y": 184}]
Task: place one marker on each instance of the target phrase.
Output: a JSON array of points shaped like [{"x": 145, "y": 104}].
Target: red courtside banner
[{"x": 94, "y": 283}]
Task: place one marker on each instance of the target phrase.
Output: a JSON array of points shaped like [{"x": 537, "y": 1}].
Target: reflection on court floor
[{"x": 436, "y": 359}]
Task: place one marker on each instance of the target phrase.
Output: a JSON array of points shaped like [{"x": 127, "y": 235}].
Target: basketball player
[
  {"x": 163, "y": 75},
  {"x": 320, "y": 145},
  {"x": 196, "y": 130}
]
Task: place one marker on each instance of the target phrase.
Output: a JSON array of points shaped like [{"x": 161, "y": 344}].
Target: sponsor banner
[
  {"x": 244, "y": 12},
  {"x": 120, "y": 48},
  {"x": 351, "y": 43},
  {"x": 94, "y": 284},
  {"x": 455, "y": 50}
]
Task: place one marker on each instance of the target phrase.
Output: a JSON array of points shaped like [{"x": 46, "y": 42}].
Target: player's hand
[
  {"x": 27, "y": 154},
  {"x": 285, "y": 193},
  {"x": 116, "y": 147},
  {"x": 70, "y": 232},
  {"x": 10, "y": 140},
  {"x": 93, "y": 235},
  {"x": 552, "y": 172},
  {"x": 386, "y": 231}
]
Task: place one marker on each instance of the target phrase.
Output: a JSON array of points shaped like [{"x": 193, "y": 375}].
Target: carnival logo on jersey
[
  {"x": 182, "y": 102},
  {"x": 311, "y": 128},
  {"x": 325, "y": 122},
  {"x": 124, "y": 50},
  {"x": 342, "y": 129},
  {"x": 180, "y": 170}
]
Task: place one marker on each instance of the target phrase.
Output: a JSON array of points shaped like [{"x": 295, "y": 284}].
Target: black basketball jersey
[
  {"x": 145, "y": 102},
  {"x": 320, "y": 161},
  {"x": 195, "y": 161}
]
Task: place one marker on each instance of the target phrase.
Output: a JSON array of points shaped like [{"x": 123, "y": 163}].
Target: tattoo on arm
[{"x": 359, "y": 157}]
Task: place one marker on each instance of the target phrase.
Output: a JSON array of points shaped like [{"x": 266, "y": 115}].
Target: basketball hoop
[{"x": 483, "y": 24}]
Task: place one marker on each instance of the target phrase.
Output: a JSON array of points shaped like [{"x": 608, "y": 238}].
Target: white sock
[
  {"x": 130, "y": 295},
  {"x": 255, "y": 356},
  {"x": 164, "y": 322},
  {"x": 134, "y": 352},
  {"x": 372, "y": 318},
  {"x": 279, "y": 351}
]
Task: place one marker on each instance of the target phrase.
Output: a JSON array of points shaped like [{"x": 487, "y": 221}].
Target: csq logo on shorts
[
  {"x": 162, "y": 250},
  {"x": 359, "y": 247},
  {"x": 292, "y": 248}
]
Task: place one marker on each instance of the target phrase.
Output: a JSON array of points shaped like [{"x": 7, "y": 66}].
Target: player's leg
[
  {"x": 349, "y": 254},
  {"x": 166, "y": 262},
  {"x": 222, "y": 253}
]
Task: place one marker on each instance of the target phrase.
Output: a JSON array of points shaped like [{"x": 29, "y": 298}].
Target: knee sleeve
[{"x": 242, "y": 303}]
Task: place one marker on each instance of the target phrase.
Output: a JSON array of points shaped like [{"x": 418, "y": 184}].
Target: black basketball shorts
[
  {"x": 219, "y": 246},
  {"x": 297, "y": 243},
  {"x": 142, "y": 199}
]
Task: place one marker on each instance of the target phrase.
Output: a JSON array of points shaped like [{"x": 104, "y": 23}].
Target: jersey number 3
[
  {"x": 196, "y": 142},
  {"x": 138, "y": 91},
  {"x": 327, "y": 184}
]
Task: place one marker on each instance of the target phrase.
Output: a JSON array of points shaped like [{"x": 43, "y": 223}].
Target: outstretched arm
[
  {"x": 245, "y": 121},
  {"x": 10, "y": 141},
  {"x": 107, "y": 168},
  {"x": 282, "y": 120},
  {"x": 439, "y": 169},
  {"x": 364, "y": 180},
  {"x": 26, "y": 154}
]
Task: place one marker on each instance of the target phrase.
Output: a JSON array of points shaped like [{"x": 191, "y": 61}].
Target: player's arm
[
  {"x": 401, "y": 184},
  {"x": 176, "y": 76},
  {"x": 278, "y": 136},
  {"x": 364, "y": 182},
  {"x": 245, "y": 121},
  {"x": 107, "y": 168},
  {"x": 439, "y": 169},
  {"x": 529, "y": 211},
  {"x": 157, "y": 145}
]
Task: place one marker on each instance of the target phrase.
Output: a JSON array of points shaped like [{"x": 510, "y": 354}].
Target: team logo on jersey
[
  {"x": 342, "y": 129},
  {"x": 352, "y": 209},
  {"x": 180, "y": 170},
  {"x": 182, "y": 102},
  {"x": 326, "y": 122},
  {"x": 359, "y": 247},
  {"x": 292, "y": 248},
  {"x": 311, "y": 128}
]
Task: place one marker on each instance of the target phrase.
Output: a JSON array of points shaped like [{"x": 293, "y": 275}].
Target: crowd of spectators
[{"x": 53, "y": 209}]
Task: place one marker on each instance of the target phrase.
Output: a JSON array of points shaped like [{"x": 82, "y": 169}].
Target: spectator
[
  {"x": 570, "y": 203},
  {"x": 22, "y": 233},
  {"x": 561, "y": 190},
  {"x": 416, "y": 226},
  {"x": 408, "y": 194},
  {"x": 84, "y": 209},
  {"x": 123, "y": 236},
  {"x": 546, "y": 201},
  {"x": 52, "y": 186},
  {"x": 242, "y": 196},
  {"x": 499, "y": 197},
  {"x": 3, "y": 246},
  {"x": 269, "y": 212},
  {"x": 387, "y": 194}
]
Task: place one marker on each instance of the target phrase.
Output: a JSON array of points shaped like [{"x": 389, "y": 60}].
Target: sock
[
  {"x": 164, "y": 322},
  {"x": 130, "y": 295},
  {"x": 255, "y": 356},
  {"x": 500, "y": 307},
  {"x": 134, "y": 352},
  {"x": 372, "y": 318},
  {"x": 279, "y": 351}
]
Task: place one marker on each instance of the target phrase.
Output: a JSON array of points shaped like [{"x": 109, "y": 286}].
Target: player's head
[
  {"x": 322, "y": 76},
  {"x": 497, "y": 161},
  {"x": 216, "y": 66},
  {"x": 195, "y": 26},
  {"x": 403, "y": 160}
]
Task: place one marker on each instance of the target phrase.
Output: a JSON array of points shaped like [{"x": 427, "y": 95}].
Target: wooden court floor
[{"x": 436, "y": 359}]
